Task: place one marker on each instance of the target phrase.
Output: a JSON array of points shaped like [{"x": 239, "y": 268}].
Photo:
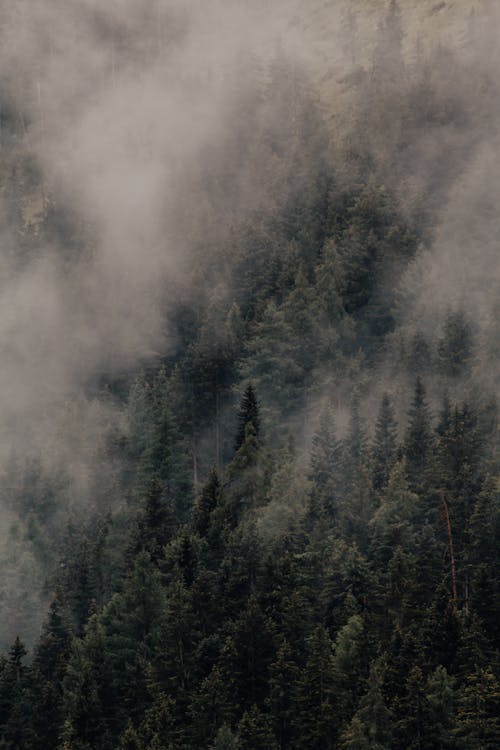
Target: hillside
[{"x": 249, "y": 460}]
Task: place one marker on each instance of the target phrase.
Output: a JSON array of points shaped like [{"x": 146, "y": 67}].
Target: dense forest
[{"x": 250, "y": 464}]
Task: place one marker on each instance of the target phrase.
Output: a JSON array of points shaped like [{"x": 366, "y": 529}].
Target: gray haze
[{"x": 123, "y": 101}]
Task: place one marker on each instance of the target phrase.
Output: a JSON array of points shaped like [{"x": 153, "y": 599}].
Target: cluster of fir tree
[
  {"x": 362, "y": 641},
  {"x": 366, "y": 622},
  {"x": 299, "y": 291}
]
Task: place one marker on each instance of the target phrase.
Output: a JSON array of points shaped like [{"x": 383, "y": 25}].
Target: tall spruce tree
[
  {"x": 208, "y": 502},
  {"x": 419, "y": 442},
  {"x": 324, "y": 471},
  {"x": 371, "y": 726},
  {"x": 248, "y": 417},
  {"x": 384, "y": 444}
]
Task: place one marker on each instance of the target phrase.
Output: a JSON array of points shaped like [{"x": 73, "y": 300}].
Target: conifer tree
[
  {"x": 51, "y": 656},
  {"x": 130, "y": 740},
  {"x": 479, "y": 711},
  {"x": 325, "y": 471},
  {"x": 87, "y": 689},
  {"x": 283, "y": 678},
  {"x": 254, "y": 644},
  {"x": 255, "y": 731},
  {"x": 455, "y": 348},
  {"x": 225, "y": 740},
  {"x": 314, "y": 721},
  {"x": 353, "y": 448},
  {"x": 350, "y": 667},
  {"x": 248, "y": 417},
  {"x": 209, "y": 500},
  {"x": 212, "y": 708},
  {"x": 440, "y": 719},
  {"x": 371, "y": 725},
  {"x": 394, "y": 522},
  {"x": 15, "y": 710},
  {"x": 384, "y": 444},
  {"x": 410, "y": 727},
  {"x": 157, "y": 523},
  {"x": 444, "y": 417},
  {"x": 419, "y": 442}
]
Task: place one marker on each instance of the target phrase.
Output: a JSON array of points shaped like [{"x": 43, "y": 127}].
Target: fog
[{"x": 118, "y": 107}]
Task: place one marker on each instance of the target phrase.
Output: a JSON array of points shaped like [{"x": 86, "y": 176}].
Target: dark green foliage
[
  {"x": 225, "y": 740},
  {"x": 384, "y": 444},
  {"x": 484, "y": 557},
  {"x": 440, "y": 711},
  {"x": 157, "y": 523},
  {"x": 14, "y": 698},
  {"x": 290, "y": 586},
  {"x": 208, "y": 502},
  {"x": 455, "y": 348},
  {"x": 394, "y": 522},
  {"x": 248, "y": 417},
  {"x": 353, "y": 448},
  {"x": 49, "y": 666},
  {"x": 254, "y": 731},
  {"x": 371, "y": 725},
  {"x": 325, "y": 472},
  {"x": 283, "y": 681},
  {"x": 254, "y": 651},
  {"x": 419, "y": 443},
  {"x": 315, "y": 700},
  {"x": 478, "y": 710}
]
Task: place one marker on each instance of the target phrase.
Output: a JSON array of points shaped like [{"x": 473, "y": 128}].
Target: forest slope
[{"x": 250, "y": 467}]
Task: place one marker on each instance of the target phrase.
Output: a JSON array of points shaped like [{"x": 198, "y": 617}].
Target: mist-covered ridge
[{"x": 249, "y": 339}]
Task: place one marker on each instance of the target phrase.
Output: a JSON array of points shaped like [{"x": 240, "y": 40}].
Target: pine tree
[
  {"x": 248, "y": 417},
  {"x": 130, "y": 739},
  {"x": 399, "y": 588},
  {"x": 410, "y": 727},
  {"x": 15, "y": 711},
  {"x": 254, "y": 644},
  {"x": 419, "y": 442},
  {"x": 255, "y": 731},
  {"x": 394, "y": 522},
  {"x": 479, "y": 710},
  {"x": 87, "y": 691},
  {"x": 158, "y": 449},
  {"x": 419, "y": 356},
  {"x": 314, "y": 721},
  {"x": 444, "y": 417},
  {"x": 349, "y": 667},
  {"x": 160, "y": 725},
  {"x": 371, "y": 726},
  {"x": 441, "y": 630},
  {"x": 455, "y": 348},
  {"x": 271, "y": 363},
  {"x": 324, "y": 472},
  {"x": 225, "y": 740},
  {"x": 384, "y": 444},
  {"x": 248, "y": 478},
  {"x": 212, "y": 708},
  {"x": 440, "y": 719},
  {"x": 131, "y": 632},
  {"x": 51, "y": 656},
  {"x": 283, "y": 678},
  {"x": 483, "y": 556},
  {"x": 16, "y": 655},
  {"x": 157, "y": 524},
  {"x": 353, "y": 448},
  {"x": 208, "y": 502}
]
